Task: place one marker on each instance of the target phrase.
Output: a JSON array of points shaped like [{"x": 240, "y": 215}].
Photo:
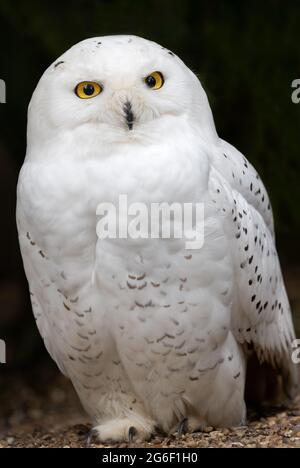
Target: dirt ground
[{"x": 39, "y": 408}]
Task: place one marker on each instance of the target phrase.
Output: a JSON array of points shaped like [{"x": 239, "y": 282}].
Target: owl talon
[
  {"x": 91, "y": 434},
  {"x": 131, "y": 433},
  {"x": 182, "y": 428}
]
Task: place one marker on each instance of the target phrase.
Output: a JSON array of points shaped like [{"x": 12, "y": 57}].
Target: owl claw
[
  {"x": 182, "y": 428},
  {"x": 90, "y": 436},
  {"x": 131, "y": 433}
]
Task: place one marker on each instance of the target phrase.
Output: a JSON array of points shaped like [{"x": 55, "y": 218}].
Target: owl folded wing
[
  {"x": 261, "y": 313},
  {"x": 47, "y": 306}
]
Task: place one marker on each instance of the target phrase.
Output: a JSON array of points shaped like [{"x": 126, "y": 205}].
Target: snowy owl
[{"x": 152, "y": 335}]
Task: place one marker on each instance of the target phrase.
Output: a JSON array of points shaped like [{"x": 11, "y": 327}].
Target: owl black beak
[{"x": 129, "y": 116}]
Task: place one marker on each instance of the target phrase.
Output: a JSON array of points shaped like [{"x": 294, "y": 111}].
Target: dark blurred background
[{"x": 246, "y": 54}]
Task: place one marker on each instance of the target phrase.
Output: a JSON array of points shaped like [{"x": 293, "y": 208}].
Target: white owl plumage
[{"x": 149, "y": 334}]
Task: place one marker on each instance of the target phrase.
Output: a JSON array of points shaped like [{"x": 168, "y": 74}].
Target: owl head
[{"x": 114, "y": 89}]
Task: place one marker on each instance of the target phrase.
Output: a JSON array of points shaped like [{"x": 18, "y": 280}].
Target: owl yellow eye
[
  {"x": 155, "y": 80},
  {"x": 87, "y": 89}
]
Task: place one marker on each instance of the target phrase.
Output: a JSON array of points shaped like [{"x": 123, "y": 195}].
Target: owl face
[{"x": 119, "y": 87}]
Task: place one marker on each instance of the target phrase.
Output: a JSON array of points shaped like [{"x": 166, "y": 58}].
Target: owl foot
[
  {"x": 121, "y": 430},
  {"x": 132, "y": 432},
  {"x": 92, "y": 434},
  {"x": 189, "y": 425},
  {"x": 183, "y": 427},
  {"x": 195, "y": 424}
]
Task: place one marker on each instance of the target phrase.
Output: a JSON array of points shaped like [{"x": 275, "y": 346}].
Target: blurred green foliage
[{"x": 246, "y": 54}]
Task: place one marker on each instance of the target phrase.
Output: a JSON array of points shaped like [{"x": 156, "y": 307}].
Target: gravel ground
[{"x": 40, "y": 409}]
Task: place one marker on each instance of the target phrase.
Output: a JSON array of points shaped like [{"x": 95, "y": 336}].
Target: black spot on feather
[{"x": 58, "y": 63}]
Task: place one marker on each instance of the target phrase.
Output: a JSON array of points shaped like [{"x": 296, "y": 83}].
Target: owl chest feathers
[{"x": 61, "y": 200}]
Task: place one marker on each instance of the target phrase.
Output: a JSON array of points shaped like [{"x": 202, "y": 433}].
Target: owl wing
[
  {"x": 45, "y": 298},
  {"x": 242, "y": 177},
  {"x": 261, "y": 312}
]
